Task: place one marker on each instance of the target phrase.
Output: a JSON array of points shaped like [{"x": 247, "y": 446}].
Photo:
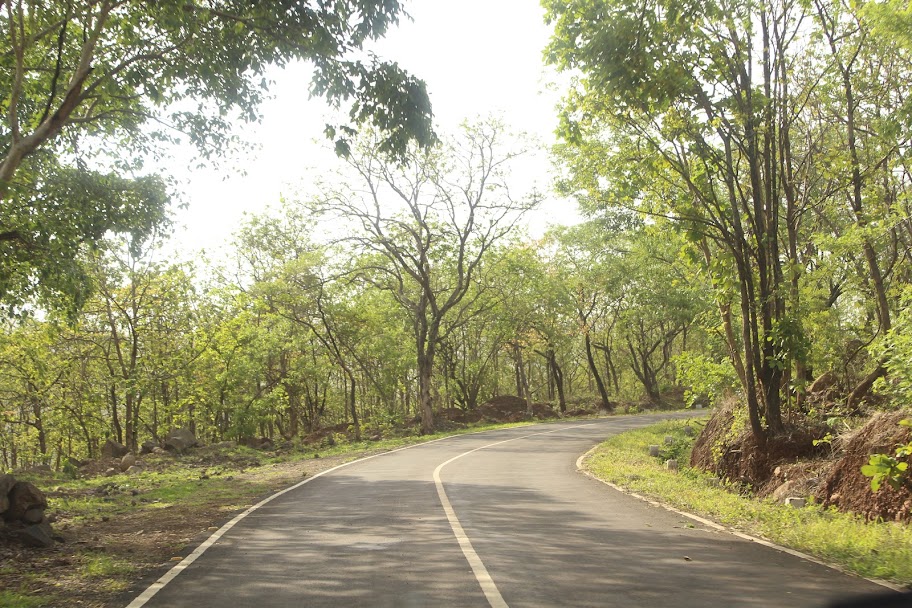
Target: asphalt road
[{"x": 524, "y": 528}]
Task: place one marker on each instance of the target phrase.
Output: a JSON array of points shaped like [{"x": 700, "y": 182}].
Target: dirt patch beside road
[{"x": 105, "y": 554}]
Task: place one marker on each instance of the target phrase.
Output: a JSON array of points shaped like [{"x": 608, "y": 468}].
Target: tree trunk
[
  {"x": 523, "y": 380},
  {"x": 593, "y": 368},
  {"x": 425, "y": 401}
]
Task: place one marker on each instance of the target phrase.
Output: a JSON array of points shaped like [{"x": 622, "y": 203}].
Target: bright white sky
[{"x": 477, "y": 57}]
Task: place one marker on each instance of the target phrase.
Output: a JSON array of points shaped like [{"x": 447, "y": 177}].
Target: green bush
[{"x": 704, "y": 379}]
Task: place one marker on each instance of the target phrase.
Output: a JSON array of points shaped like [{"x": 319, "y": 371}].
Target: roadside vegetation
[{"x": 878, "y": 549}]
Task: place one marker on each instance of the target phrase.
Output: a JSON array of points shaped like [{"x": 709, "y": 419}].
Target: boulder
[
  {"x": 112, "y": 449},
  {"x": 178, "y": 440},
  {"x": 784, "y": 491},
  {"x": 669, "y": 440},
  {"x": 794, "y": 501},
  {"x": 34, "y": 516},
  {"x": 147, "y": 447},
  {"x": 38, "y": 535},
  {"x": 671, "y": 465},
  {"x": 7, "y": 482},
  {"x": 653, "y": 450},
  {"x": 22, "y": 497},
  {"x": 127, "y": 461}
]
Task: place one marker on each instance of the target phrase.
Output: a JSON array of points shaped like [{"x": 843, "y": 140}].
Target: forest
[{"x": 743, "y": 169}]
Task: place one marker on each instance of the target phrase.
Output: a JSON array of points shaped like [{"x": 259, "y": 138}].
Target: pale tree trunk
[{"x": 523, "y": 380}]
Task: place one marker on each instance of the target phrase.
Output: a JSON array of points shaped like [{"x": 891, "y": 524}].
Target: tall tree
[
  {"x": 81, "y": 78},
  {"x": 427, "y": 225}
]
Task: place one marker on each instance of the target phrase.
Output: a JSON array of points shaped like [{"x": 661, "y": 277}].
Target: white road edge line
[
  {"x": 732, "y": 531},
  {"x": 488, "y": 587}
]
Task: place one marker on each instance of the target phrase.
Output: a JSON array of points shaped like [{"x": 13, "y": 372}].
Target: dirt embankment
[{"x": 791, "y": 464}]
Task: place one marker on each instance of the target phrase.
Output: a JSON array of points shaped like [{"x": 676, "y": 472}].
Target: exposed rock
[
  {"x": 783, "y": 491},
  {"x": 22, "y": 497},
  {"x": 111, "y": 472},
  {"x": 127, "y": 461},
  {"x": 671, "y": 465},
  {"x": 38, "y": 535},
  {"x": 158, "y": 450},
  {"x": 7, "y": 482},
  {"x": 689, "y": 431},
  {"x": 33, "y": 516},
  {"x": 147, "y": 447},
  {"x": 794, "y": 501},
  {"x": 653, "y": 450},
  {"x": 669, "y": 440},
  {"x": 112, "y": 449},
  {"x": 178, "y": 440}
]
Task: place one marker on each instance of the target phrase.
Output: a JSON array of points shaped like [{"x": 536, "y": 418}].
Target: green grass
[
  {"x": 105, "y": 565},
  {"x": 14, "y": 599},
  {"x": 874, "y": 549},
  {"x": 181, "y": 482}
]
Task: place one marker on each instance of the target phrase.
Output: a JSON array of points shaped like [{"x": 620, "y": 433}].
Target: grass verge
[{"x": 873, "y": 549}]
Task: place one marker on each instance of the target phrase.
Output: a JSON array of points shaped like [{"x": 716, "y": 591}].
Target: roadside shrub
[{"x": 705, "y": 380}]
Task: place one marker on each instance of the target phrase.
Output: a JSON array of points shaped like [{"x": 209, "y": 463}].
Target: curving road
[{"x": 499, "y": 518}]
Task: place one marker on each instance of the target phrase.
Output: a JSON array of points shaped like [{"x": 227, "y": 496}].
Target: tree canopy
[{"x": 87, "y": 90}]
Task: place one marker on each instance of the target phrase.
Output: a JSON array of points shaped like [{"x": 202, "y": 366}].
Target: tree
[
  {"x": 697, "y": 95},
  {"x": 80, "y": 78},
  {"x": 426, "y": 227}
]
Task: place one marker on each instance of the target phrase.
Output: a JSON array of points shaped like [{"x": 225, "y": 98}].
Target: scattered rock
[
  {"x": 111, "y": 472},
  {"x": 794, "y": 501},
  {"x": 112, "y": 449},
  {"x": 22, "y": 497},
  {"x": 147, "y": 447},
  {"x": 33, "y": 516},
  {"x": 669, "y": 440},
  {"x": 127, "y": 461},
  {"x": 653, "y": 450},
  {"x": 158, "y": 450},
  {"x": 689, "y": 431},
  {"x": 777, "y": 472},
  {"x": 784, "y": 491},
  {"x": 7, "y": 482},
  {"x": 671, "y": 465},
  {"x": 38, "y": 535},
  {"x": 178, "y": 440}
]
